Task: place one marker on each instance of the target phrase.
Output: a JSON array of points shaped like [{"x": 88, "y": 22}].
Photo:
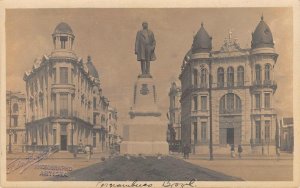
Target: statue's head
[{"x": 145, "y": 25}]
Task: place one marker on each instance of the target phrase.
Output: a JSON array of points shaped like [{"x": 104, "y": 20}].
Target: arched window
[
  {"x": 203, "y": 77},
  {"x": 267, "y": 72},
  {"x": 15, "y": 108},
  {"x": 230, "y": 104},
  {"x": 230, "y": 77},
  {"x": 195, "y": 75},
  {"x": 257, "y": 73},
  {"x": 220, "y": 77},
  {"x": 240, "y": 76}
]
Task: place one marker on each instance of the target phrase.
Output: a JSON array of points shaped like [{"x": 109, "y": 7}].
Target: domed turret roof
[
  {"x": 262, "y": 36},
  {"x": 92, "y": 69},
  {"x": 63, "y": 28},
  {"x": 202, "y": 41}
]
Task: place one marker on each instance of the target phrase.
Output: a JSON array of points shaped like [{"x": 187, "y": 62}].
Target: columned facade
[
  {"x": 63, "y": 97},
  {"x": 242, "y": 87},
  {"x": 174, "y": 113},
  {"x": 15, "y": 121}
]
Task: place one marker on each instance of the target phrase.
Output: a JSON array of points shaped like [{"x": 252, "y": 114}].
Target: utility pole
[
  {"x": 10, "y": 130},
  {"x": 211, "y": 157}
]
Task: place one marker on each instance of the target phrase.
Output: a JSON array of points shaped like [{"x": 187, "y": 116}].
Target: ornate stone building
[
  {"x": 240, "y": 84},
  {"x": 15, "y": 121},
  {"x": 175, "y": 110},
  {"x": 64, "y": 97},
  {"x": 112, "y": 126}
]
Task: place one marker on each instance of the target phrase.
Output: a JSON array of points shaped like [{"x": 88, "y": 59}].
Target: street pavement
[{"x": 249, "y": 168}]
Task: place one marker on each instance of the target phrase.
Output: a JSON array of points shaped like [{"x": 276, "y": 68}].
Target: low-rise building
[
  {"x": 286, "y": 134},
  {"x": 174, "y": 112},
  {"x": 15, "y": 121}
]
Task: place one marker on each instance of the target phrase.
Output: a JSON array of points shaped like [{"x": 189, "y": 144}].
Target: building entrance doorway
[
  {"x": 230, "y": 136},
  {"x": 63, "y": 137},
  {"x": 63, "y": 142}
]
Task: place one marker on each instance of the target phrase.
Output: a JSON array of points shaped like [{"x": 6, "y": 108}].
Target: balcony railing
[
  {"x": 230, "y": 111},
  {"x": 263, "y": 111},
  {"x": 200, "y": 86},
  {"x": 229, "y": 84},
  {"x": 200, "y": 112},
  {"x": 264, "y": 83}
]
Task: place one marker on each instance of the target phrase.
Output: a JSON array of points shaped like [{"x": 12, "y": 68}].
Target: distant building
[
  {"x": 112, "y": 126},
  {"x": 287, "y": 134},
  {"x": 242, "y": 89},
  {"x": 174, "y": 112},
  {"x": 101, "y": 125},
  {"x": 15, "y": 121},
  {"x": 64, "y": 97}
]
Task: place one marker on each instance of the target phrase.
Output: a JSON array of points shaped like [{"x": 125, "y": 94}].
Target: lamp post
[
  {"x": 211, "y": 157},
  {"x": 72, "y": 138},
  {"x": 10, "y": 130},
  {"x": 9, "y": 145},
  {"x": 102, "y": 133}
]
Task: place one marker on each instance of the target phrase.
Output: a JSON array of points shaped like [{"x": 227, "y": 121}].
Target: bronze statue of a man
[{"x": 144, "y": 48}]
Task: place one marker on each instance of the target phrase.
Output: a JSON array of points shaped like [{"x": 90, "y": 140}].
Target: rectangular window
[
  {"x": 54, "y": 104},
  {"x": 95, "y": 119},
  {"x": 15, "y": 121},
  {"x": 63, "y": 75},
  {"x": 203, "y": 132},
  {"x": 195, "y": 133},
  {"x": 15, "y": 138},
  {"x": 54, "y": 136},
  {"x": 72, "y": 76},
  {"x": 267, "y": 130},
  {"x": 257, "y": 101},
  {"x": 64, "y": 104},
  {"x": 94, "y": 103},
  {"x": 267, "y": 100},
  {"x": 195, "y": 99},
  {"x": 54, "y": 75},
  {"x": 203, "y": 103},
  {"x": 257, "y": 131}
]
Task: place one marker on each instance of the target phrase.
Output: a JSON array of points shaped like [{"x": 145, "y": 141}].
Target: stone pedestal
[{"x": 145, "y": 132}]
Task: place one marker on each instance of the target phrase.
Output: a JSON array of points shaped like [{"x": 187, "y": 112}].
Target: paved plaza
[{"x": 249, "y": 168}]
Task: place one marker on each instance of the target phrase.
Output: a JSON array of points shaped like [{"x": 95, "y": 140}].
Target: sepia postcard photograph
[{"x": 149, "y": 94}]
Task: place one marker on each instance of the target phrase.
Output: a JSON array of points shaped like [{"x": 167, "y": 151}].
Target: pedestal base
[
  {"x": 145, "y": 148},
  {"x": 145, "y": 132}
]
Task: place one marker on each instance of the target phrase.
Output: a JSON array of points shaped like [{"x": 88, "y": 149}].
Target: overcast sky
[{"x": 108, "y": 35}]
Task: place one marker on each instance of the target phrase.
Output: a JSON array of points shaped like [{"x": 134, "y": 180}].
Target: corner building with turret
[
  {"x": 64, "y": 99},
  {"x": 242, "y": 85}
]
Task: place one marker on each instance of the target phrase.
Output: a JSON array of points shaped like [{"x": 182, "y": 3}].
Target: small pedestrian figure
[
  {"x": 186, "y": 151},
  {"x": 75, "y": 151},
  {"x": 277, "y": 153},
  {"x": 232, "y": 151},
  {"x": 240, "y": 150},
  {"x": 88, "y": 152}
]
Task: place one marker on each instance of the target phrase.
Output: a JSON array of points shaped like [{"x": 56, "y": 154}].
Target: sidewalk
[
  {"x": 61, "y": 158},
  {"x": 283, "y": 156}
]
